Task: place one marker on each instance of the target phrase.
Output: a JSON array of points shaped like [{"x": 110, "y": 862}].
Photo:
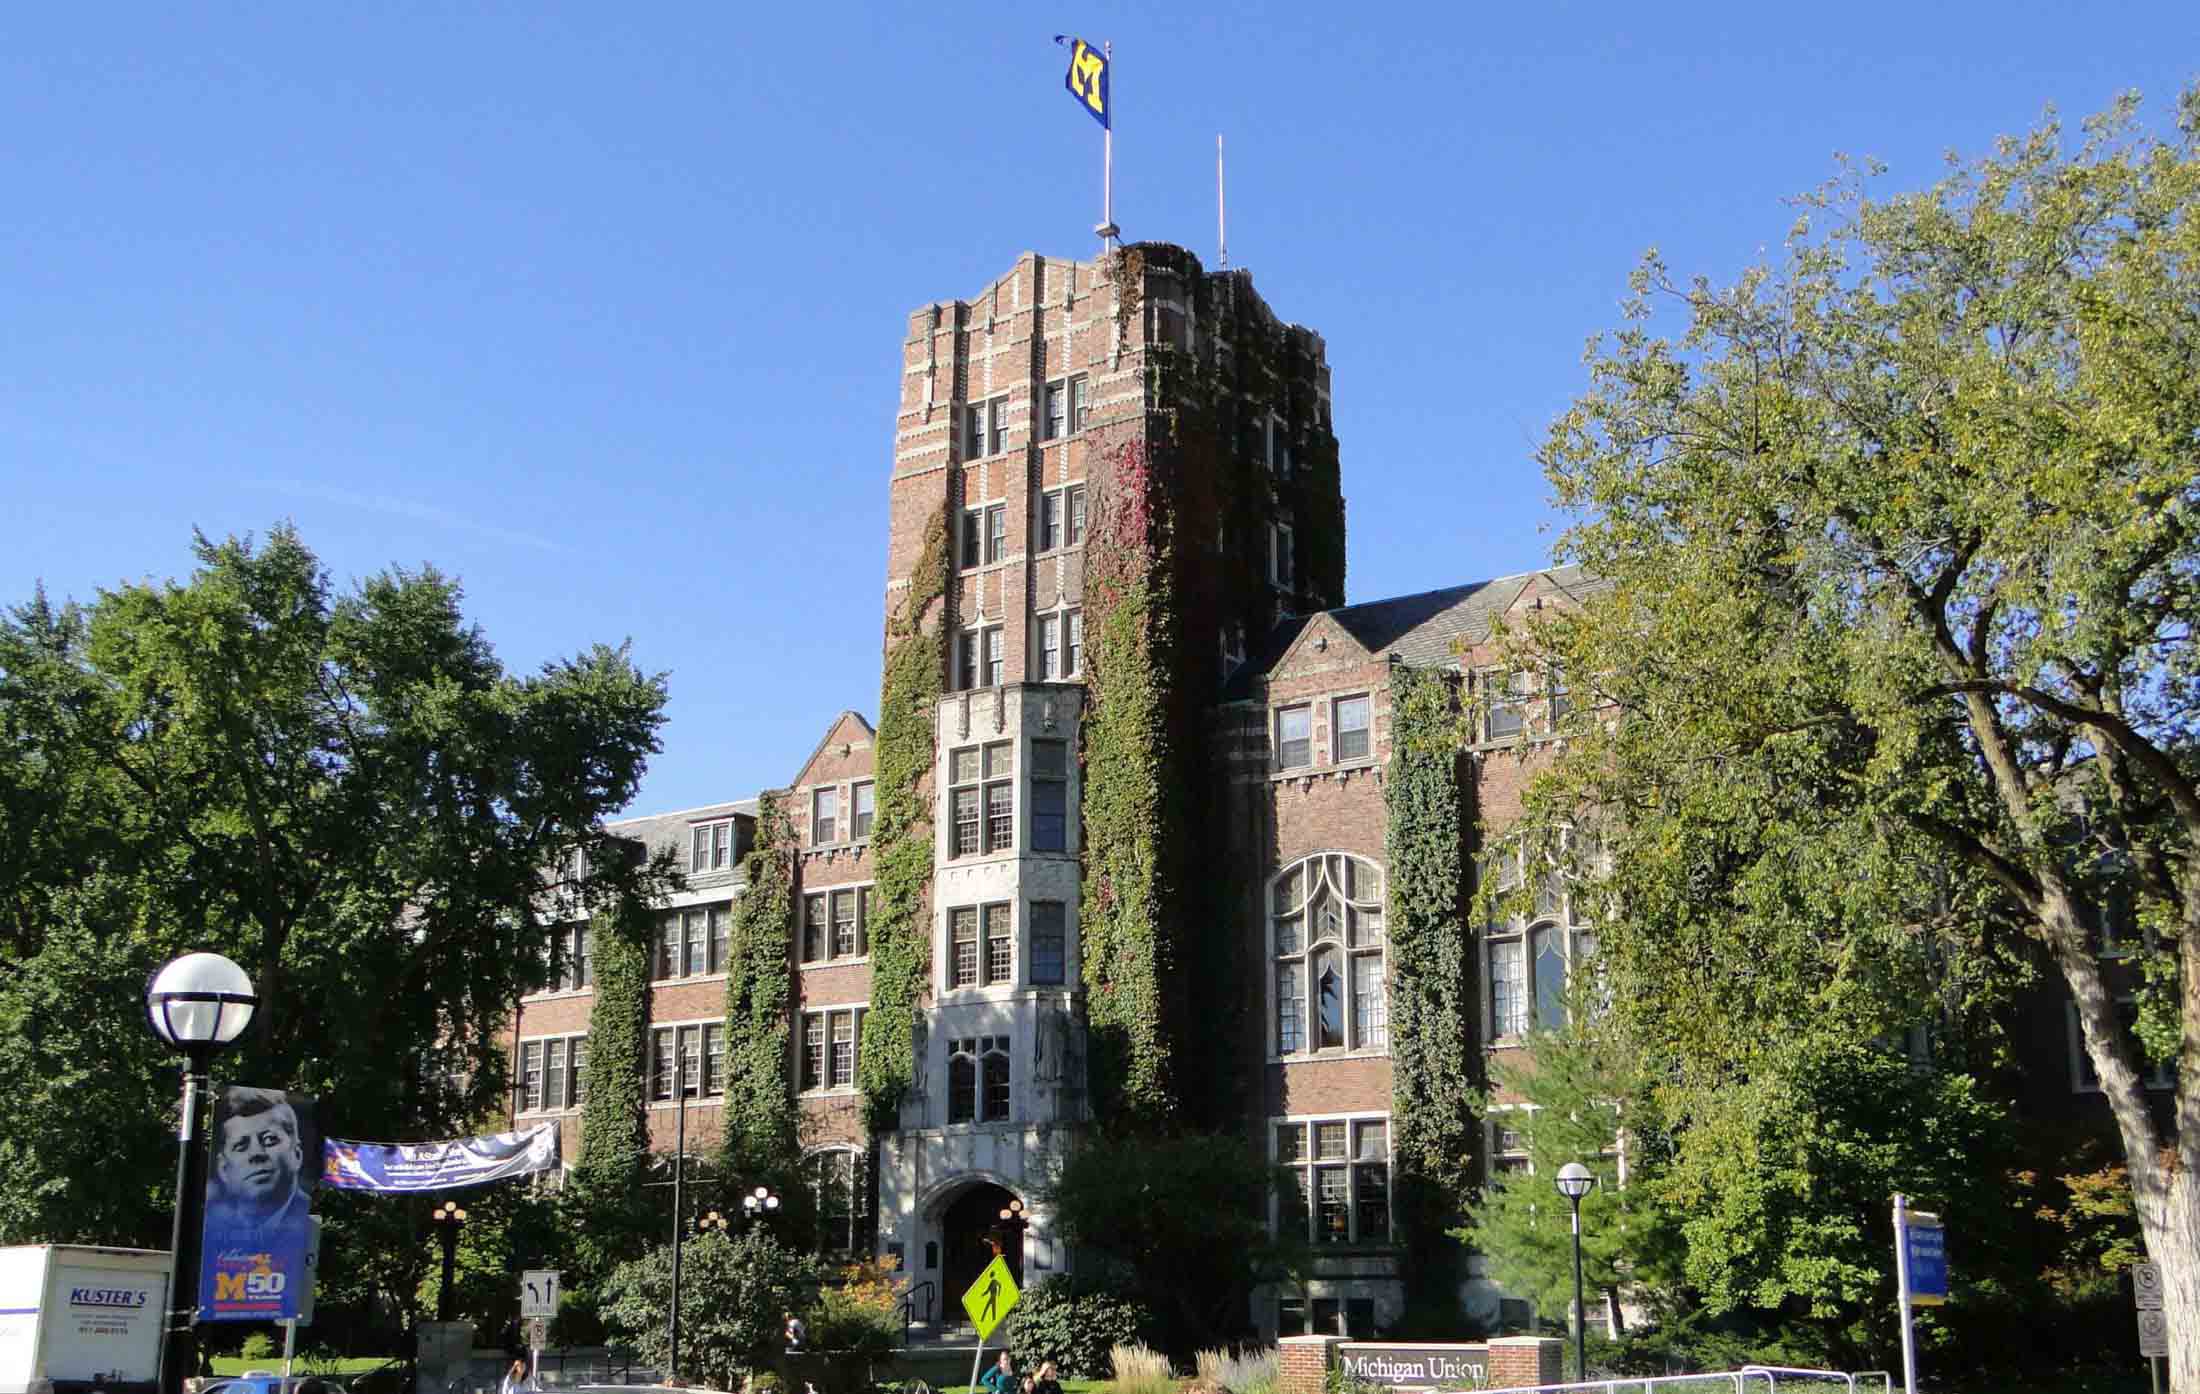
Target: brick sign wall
[{"x": 1416, "y": 1367}]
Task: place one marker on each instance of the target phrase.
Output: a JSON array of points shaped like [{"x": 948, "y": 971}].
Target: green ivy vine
[
  {"x": 609, "y": 1221},
  {"x": 901, "y": 839},
  {"x": 1128, "y": 822},
  {"x": 1435, "y": 1067},
  {"x": 760, "y": 1111}
]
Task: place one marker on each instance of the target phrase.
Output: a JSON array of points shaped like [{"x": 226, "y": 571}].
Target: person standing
[
  {"x": 1001, "y": 1379},
  {"x": 517, "y": 1380},
  {"x": 1049, "y": 1380}
]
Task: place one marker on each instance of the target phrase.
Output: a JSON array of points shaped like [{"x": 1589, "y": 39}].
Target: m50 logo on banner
[{"x": 260, "y": 1284}]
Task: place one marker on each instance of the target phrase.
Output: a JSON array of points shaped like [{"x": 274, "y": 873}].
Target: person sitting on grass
[{"x": 1001, "y": 1379}]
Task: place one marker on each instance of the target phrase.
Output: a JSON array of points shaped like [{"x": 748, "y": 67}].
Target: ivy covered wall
[
  {"x": 608, "y": 1219},
  {"x": 759, "y": 1130},
  {"x": 1436, "y": 1067},
  {"x": 901, "y": 837}
]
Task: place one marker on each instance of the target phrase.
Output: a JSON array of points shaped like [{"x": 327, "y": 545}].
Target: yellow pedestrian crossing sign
[{"x": 992, "y": 1297}]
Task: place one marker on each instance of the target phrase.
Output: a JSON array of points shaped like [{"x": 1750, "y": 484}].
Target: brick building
[{"x": 1013, "y": 405}]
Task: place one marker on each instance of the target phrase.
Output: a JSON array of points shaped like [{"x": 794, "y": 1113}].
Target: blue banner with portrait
[
  {"x": 400, "y": 1168},
  {"x": 254, "y": 1247}
]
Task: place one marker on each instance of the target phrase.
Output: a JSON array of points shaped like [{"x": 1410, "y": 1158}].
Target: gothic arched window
[{"x": 1325, "y": 918}]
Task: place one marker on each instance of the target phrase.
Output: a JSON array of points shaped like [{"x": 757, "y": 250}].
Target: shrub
[
  {"x": 1074, "y": 1324},
  {"x": 1140, "y": 1370},
  {"x": 733, "y": 1296},
  {"x": 258, "y": 1346},
  {"x": 1243, "y": 1371}
]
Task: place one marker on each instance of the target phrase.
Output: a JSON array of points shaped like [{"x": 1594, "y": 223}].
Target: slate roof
[
  {"x": 1420, "y": 631},
  {"x": 671, "y": 829}
]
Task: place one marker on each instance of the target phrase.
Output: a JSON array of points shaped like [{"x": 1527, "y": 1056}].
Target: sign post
[
  {"x": 2146, "y": 1295},
  {"x": 992, "y": 1297},
  {"x": 1921, "y": 1274},
  {"x": 538, "y": 1304}
]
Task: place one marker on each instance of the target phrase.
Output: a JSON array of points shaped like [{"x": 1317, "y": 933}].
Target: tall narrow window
[
  {"x": 824, "y": 817},
  {"x": 1080, "y": 402},
  {"x": 1000, "y": 941},
  {"x": 1076, "y": 493},
  {"x": 721, "y": 931},
  {"x": 580, "y": 1070},
  {"x": 993, "y": 1108},
  {"x": 966, "y": 660},
  {"x": 1350, "y": 726},
  {"x": 996, "y": 657},
  {"x": 1294, "y": 737},
  {"x": 1049, "y": 796},
  {"x": 668, "y": 947},
  {"x": 1057, "y": 410},
  {"x": 1000, "y": 798},
  {"x": 844, "y": 1049},
  {"x": 1508, "y": 694},
  {"x": 1290, "y": 1008},
  {"x": 963, "y": 932},
  {"x": 973, "y": 538},
  {"x": 531, "y": 1074},
  {"x": 962, "y": 1082},
  {"x": 1050, "y": 647},
  {"x": 1049, "y": 941},
  {"x": 714, "y": 1061},
  {"x": 813, "y": 929},
  {"x": 660, "y": 1066},
  {"x": 844, "y": 924},
  {"x": 963, "y": 790},
  {"x": 1508, "y": 987},
  {"x": 996, "y": 532},
  {"x": 813, "y": 1051},
  {"x": 1050, "y": 520},
  {"x": 865, "y": 812},
  {"x": 695, "y": 930},
  {"x": 1076, "y": 643},
  {"x": 1548, "y": 943},
  {"x": 1280, "y": 560}
]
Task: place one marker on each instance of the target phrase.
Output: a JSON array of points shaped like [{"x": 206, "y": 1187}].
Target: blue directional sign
[{"x": 1925, "y": 1244}]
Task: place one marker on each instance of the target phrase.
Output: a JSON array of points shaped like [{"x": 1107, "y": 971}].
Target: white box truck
[{"x": 75, "y": 1318}]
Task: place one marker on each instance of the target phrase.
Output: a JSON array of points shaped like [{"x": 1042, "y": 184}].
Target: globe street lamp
[
  {"x": 198, "y": 1004},
  {"x": 447, "y": 1218},
  {"x": 758, "y": 1204},
  {"x": 712, "y": 1222},
  {"x": 1574, "y": 1182}
]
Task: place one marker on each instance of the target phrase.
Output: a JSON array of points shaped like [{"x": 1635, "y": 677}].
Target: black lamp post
[
  {"x": 447, "y": 1218},
  {"x": 1013, "y": 1222},
  {"x": 1574, "y": 1182},
  {"x": 198, "y": 1004}
]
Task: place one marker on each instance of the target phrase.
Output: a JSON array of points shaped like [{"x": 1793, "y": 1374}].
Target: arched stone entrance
[{"x": 970, "y": 1225}]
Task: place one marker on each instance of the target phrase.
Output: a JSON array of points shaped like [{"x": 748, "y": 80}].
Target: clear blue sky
[{"x": 599, "y": 308}]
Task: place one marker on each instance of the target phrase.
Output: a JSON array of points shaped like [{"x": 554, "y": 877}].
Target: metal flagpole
[
  {"x": 1107, "y": 228},
  {"x": 1222, "y": 226}
]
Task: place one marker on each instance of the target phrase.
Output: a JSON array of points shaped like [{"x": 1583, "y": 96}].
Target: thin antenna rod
[{"x": 1222, "y": 225}]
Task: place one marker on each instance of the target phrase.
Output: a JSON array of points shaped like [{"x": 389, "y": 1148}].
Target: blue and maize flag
[{"x": 1087, "y": 78}]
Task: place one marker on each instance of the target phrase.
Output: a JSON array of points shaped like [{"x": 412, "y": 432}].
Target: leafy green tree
[
  {"x": 1580, "y": 1097},
  {"x": 733, "y": 1297},
  {"x": 344, "y": 792},
  {"x": 1894, "y": 688},
  {"x": 1176, "y": 1218}
]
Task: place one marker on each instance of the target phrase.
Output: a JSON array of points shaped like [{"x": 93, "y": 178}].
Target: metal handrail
[
  {"x": 1735, "y": 1380},
  {"x": 1772, "y": 1373}
]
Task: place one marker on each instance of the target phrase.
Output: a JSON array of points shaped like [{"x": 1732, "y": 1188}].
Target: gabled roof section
[
  {"x": 1421, "y": 631},
  {"x": 849, "y": 728}
]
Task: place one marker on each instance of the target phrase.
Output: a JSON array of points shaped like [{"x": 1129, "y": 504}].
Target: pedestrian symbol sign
[{"x": 990, "y": 1298}]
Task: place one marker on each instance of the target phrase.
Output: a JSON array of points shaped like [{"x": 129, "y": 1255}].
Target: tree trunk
[{"x": 2172, "y": 1229}]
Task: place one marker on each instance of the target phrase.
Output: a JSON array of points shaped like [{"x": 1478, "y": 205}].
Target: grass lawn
[{"x": 357, "y": 1365}]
